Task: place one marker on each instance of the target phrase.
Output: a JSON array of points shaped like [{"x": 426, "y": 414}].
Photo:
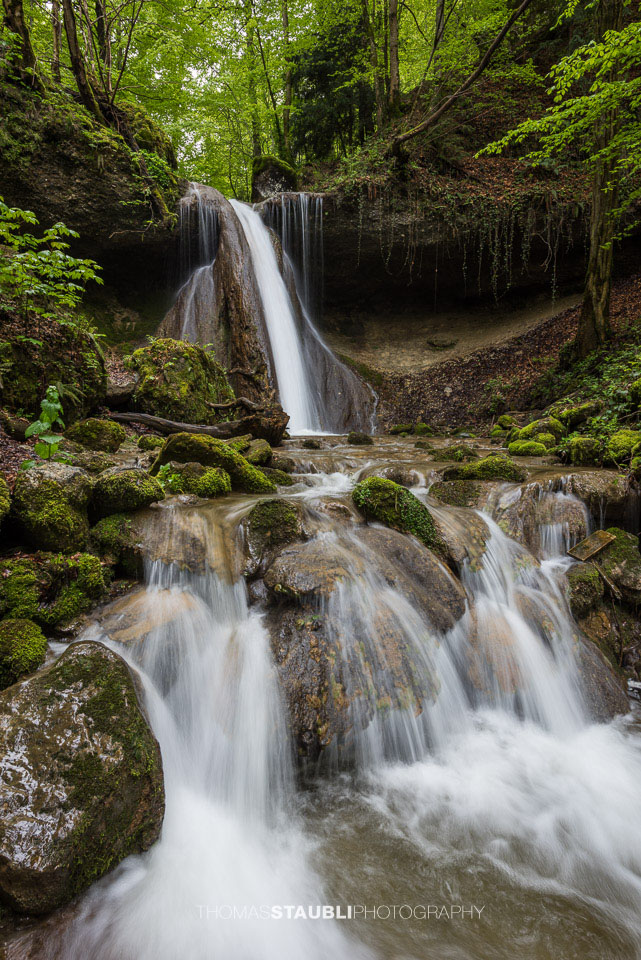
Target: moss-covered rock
[
  {"x": 121, "y": 491},
  {"x": 458, "y": 493},
  {"x": 494, "y": 467},
  {"x": 258, "y": 452},
  {"x": 527, "y": 448},
  {"x": 635, "y": 467},
  {"x": 5, "y": 499},
  {"x": 498, "y": 433},
  {"x": 76, "y": 730},
  {"x": 357, "y": 439},
  {"x": 211, "y": 452},
  {"x": 545, "y": 425},
  {"x": 268, "y": 525},
  {"x": 194, "y": 478},
  {"x": 618, "y": 449},
  {"x": 458, "y": 452},
  {"x": 150, "y": 441},
  {"x": 394, "y": 506},
  {"x": 505, "y": 422},
  {"x": 45, "y": 352},
  {"x": 574, "y": 415},
  {"x": 584, "y": 451},
  {"x": 401, "y": 428},
  {"x": 425, "y": 446},
  {"x": 50, "y": 504},
  {"x": 585, "y": 588},
  {"x": 635, "y": 392},
  {"x": 117, "y": 539},
  {"x": 621, "y": 563},
  {"x": 278, "y": 477},
  {"x": 105, "y": 435},
  {"x": 149, "y": 136},
  {"x": 22, "y": 650},
  {"x": 423, "y": 430},
  {"x": 271, "y": 175},
  {"x": 180, "y": 381},
  {"x": 51, "y": 589}
]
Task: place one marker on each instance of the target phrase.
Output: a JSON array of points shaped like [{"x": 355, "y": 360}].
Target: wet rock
[
  {"x": 258, "y": 452},
  {"x": 607, "y": 495},
  {"x": 621, "y": 562},
  {"x": 403, "y": 476},
  {"x": 602, "y": 688},
  {"x": 121, "y": 390},
  {"x": 394, "y": 506},
  {"x": 194, "y": 478},
  {"x": 104, "y": 435},
  {"x": 22, "y": 650},
  {"x": 286, "y": 464},
  {"x": 310, "y": 570},
  {"x": 122, "y": 491},
  {"x": 211, "y": 452},
  {"x": 460, "y": 493},
  {"x": 81, "y": 785},
  {"x": 268, "y": 526},
  {"x": 50, "y": 504},
  {"x": 270, "y": 175},
  {"x": 311, "y": 444},
  {"x": 524, "y": 513},
  {"x": 464, "y": 536},
  {"x": 585, "y": 588},
  {"x": 584, "y": 451},
  {"x": 458, "y": 453},
  {"x": 359, "y": 439},
  {"x": 279, "y": 477},
  {"x": 494, "y": 467},
  {"x": 118, "y": 539}
]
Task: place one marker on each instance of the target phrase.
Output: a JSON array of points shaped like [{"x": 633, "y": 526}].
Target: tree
[{"x": 595, "y": 120}]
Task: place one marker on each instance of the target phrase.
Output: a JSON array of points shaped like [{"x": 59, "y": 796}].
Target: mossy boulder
[
  {"x": 505, "y": 422},
  {"x": 458, "y": 453},
  {"x": 5, "y": 499},
  {"x": 105, "y": 435},
  {"x": 121, "y": 491},
  {"x": 22, "y": 650},
  {"x": 401, "y": 428},
  {"x": 45, "y": 352},
  {"x": 423, "y": 430},
  {"x": 574, "y": 415},
  {"x": 527, "y": 448},
  {"x": 425, "y": 446},
  {"x": 278, "y": 477},
  {"x": 619, "y": 447},
  {"x": 180, "y": 381},
  {"x": 494, "y": 467},
  {"x": 269, "y": 525},
  {"x": 76, "y": 730},
  {"x": 50, "y": 505},
  {"x": 149, "y": 136},
  {"x": 211, "y": 452},
  {"x": 205, "y": 482},
  {"x": 458, "y": 493},
  {"x": 52, "y": 589},
  {"x": 258, "y": 452},
  {"x": 635, "y": 392},
  {"x": 359, "y": 439},
  {"x": 150, "y": 441},
  {"x": 585, "y": 587},
  {"x": 584, "y": 451},
  {"x": 394, "y": 506},
  {"x": 498, "y": 433},
  {"x": 545, "y": 425},
  {"x": 621, "y": 563},
  {"x": 271, "y": 175},
  {"x": 118, "y": 540}
]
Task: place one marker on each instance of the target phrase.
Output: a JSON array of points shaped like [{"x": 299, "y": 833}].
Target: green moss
[
  {"x": 258, "y": 452},
  {"x": 399, "y": 428},
  {"x": 618, "y": 449},
  {"x": 149, "y": 136},
  {"x": 105, "y": 435},
  {"x": 150, "y": 442},
  {"x": 396, "y": 507},
  {"x": 180, "y": 381},
  {"x": 5, "y": 499},
  {"x": 546, "y": 425},
  {"x": 584, "y": 451},
  {"x": 457, "y": 493},
  {"x": 47, "y": 514},
  {"x": 423, "y": 430},
  {"x": 425, "y": 445},
  {"x": 211, "y": 452},
  {"x": 635, "y": 467},
  {"x": 573, "y": 416},
  {"x": 547, "y": 439},
  {"x": 459, "y": 453},
  {"x": 494, "y": 467},
  {"x": 505, "y": 422},
  {"x": 359, "y": 439},
  {"x": 527, "y": 448},
  {"x": 272, "y": 523},
  {"x": 125, "y": 491},
  {"x": 268, "y": 161},
  {"x": 51, "y": 589},
  {"x": 497, "y": 432},
  {"x": 115, "y": 539},
  {"x": 277, "y": 476},
  {"x": 213, "y": 483},
  {"x": 585, "y": 588},
  {"x": 23, "y": 647},
  {"x": 635, "y": 392}
]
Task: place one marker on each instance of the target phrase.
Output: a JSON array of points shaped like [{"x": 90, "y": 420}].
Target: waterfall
[
  {"x": 297, "y": 390},
  {"x": 196, "y": 296}
]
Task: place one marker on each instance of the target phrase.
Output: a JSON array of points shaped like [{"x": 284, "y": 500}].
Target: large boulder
[
  {"x": 118, "y": 538},
  {"x": 494, "y": 467},
  {"x": 603, "y": 691},
  {"x": 122, "y": 491},
  {"x": 269, "y": 526},
  {"x": 50, "y": 504},
  {"x": 84, "y": 787},
  {"x": 205, "y": 482},
  {"x": 621, "y": 563},
  {"x": 607, "y": 494},
  {"x": 104, "y": 435},
  {"x": 271, "y": 175},
  {"x": 180, "y": 381},
  {"x": 212, "y": 452},
  {"x": 394, "y": 506}
]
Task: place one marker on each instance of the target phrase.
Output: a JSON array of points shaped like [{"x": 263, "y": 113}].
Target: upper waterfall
[{"x": 253, "y": 299}]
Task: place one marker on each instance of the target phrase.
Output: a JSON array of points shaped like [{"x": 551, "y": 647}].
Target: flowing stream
[{"x": 489, "y": 790}]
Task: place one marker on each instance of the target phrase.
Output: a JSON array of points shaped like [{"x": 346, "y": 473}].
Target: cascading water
[
  {"x": 195, "y": 298},
  {"x": 477, "y": 779}
]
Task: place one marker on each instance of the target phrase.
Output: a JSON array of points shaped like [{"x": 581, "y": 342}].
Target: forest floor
[{"x": 510, "y": 374}]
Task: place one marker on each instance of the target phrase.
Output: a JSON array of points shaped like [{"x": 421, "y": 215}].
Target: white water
[
  {"x": 298, "y": 396},
  {"x": 506, "y": 797}
]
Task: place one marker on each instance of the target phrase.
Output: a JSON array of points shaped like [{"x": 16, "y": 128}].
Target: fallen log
[{"x": 268, "y": 425}]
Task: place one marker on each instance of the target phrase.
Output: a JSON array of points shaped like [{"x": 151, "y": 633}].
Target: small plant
[
  {"x": 36, "y": 271},
  {"x": 48, "y": 442},
  {"x": 169, "y": 480}
]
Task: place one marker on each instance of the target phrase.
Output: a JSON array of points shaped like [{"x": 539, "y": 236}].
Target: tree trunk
[
  {"x": 56, "y": 24},
  {"x": 594, "y": 322},
  {"x": 394, "y": 70},
  {"x": 250, "y": 45},
  {"x": 14, "y": 19},
  {"x": 287, "y": 92},
  {"x": 104, "y": 42},
  {"x": 77, "y": 62},
  {"x": 373, "y": 59}
]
